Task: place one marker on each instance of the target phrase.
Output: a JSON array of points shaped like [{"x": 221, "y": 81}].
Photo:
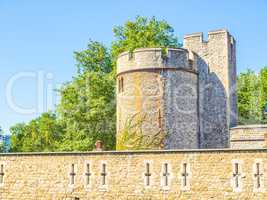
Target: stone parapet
[
  {"x": 248, "y": 136},
  {"x": 155, "y": 58},
  {"x": 191, "y": 174}
]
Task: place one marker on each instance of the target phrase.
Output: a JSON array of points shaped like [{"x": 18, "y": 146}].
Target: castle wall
[
  {"x": 232, "y": 80},
  {"x": 139, "y": 99},
  {"x": 248, "y": 136},
  {"x": 181, "y": 110},
  {"x": 217, "y": 92},
  {"x": 209, "y": 174},
  {"x": 138, "y": 110}
]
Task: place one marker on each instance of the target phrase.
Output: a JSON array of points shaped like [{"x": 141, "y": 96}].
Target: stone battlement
[
  {"x": 155, "y": 58},
  {"x": 199, "y": 35}
]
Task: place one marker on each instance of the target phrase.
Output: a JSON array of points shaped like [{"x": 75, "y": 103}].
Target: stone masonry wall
[
  {"x": 161, "y": 90},
  {"x": 139, "y": 106},
  {"x": 217, "y": 92},
  {"x": 210, "y": 174},
  {"x": 181, "y": 110},
  {"x": 248, "y": 136},
  {"x": 232, "y": 80}
]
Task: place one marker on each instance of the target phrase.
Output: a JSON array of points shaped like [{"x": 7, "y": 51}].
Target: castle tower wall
[
  {"x": 157, "y": 105},
  {"x": 217, "y": 86}
]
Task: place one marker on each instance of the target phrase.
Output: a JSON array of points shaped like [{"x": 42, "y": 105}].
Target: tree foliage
[
  {"x": 87, "y": 107},
  {"x": 263, "y": 88},
  {"x": 95, "y": 58},
  {"x": 40, "y": 134},
  {"x": 252, "y": 96},
  {"x": 133, "y": 138},
  {"x": 17, "y": 136},
  {"x": 87, "y": 110},
  {"x": 143, "y": 32},
  {"x": 2, "y": 143}
]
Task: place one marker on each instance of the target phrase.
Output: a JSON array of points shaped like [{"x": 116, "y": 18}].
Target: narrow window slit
[
  {"x": 236, "y": 175},
  {"x": 258, "y": 176},
  {"x": 2, "y": 174},
  {"x": 185, "y": 175},
  {"x": 121, "y": 89},
  {"x": 72, "y": 174},
  {"x": 166, "y": 174},
  {"x": 87, "y": 174},
  {"x": 147, "y": 174},
  {"x": 122, "y": 85},
  {"x": 104, "y": 174}
]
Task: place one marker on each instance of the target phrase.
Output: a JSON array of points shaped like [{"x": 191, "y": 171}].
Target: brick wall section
[{"x": 210, "y": 175}]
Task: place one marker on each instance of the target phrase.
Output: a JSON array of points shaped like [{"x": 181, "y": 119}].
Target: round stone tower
[{"x": 157, "y": 99}]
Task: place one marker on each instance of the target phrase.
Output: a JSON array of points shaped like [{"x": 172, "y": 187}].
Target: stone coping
[
  {"x": 251, "y": 126},
  {"x": 179, "y": 151},
  {"x": 223, "y": 30},
  {"x": 197, "y": 34},
  {"x": 151, "y": 49}
]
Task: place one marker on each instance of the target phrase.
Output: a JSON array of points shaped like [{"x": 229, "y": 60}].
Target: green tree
[
  {"x": 17, "y": 137},
  {"x": 250, "y": 98},
  {"x": 95, "y": 58},
  {"x": 263, "y": 96},
  {"x": 2, "y": 143},
  {"x": 40, "y": 134},
  {"x": 143, "y": 32},
  {"x": 87, "y": 110},
  {"x": 87, "y": 107}
]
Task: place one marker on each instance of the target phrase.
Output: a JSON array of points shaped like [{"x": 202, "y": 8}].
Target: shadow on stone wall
[{"x": 214, "y": 131}]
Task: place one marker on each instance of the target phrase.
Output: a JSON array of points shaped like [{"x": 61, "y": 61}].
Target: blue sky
[{"x": 37, "y": 39}]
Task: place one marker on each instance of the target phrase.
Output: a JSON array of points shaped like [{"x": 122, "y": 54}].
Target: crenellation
[
  {"x": 219, "y": 31},
  {"x": 198, "y": 37},
  {"x": 193, "y": 61}
]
